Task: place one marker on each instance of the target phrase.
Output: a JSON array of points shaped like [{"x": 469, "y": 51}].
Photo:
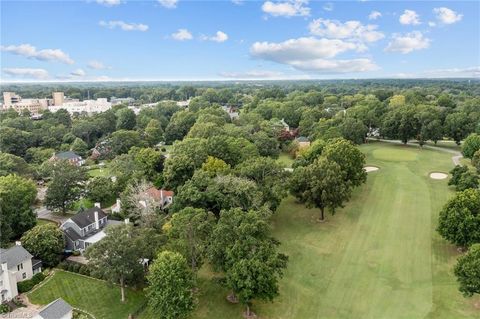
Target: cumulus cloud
[
  {"x": 288, "y": 8},
  {"x": 374, "y": 15},
  {"x": 431, "y": 24},
  {"x": 124, "y": 25},
  {"x": 312, "y": 54},
  {"x": 77, "y": 72},
  {"x": 447, "y": 16},
  {"x": 409, "y": 17},
  {"x": 31, "y": 52},
  {"x": 218, "y": 37},
  {"x": 109, "y": 3},
  {"x": 408, "y": 42},
  {"x": 26, "y": 73},
  {"x": 348, "y": 30},
  {"x": 169, "y": 4},
  {"x": 96, "y": 65},
  {"x": 252, "y": 74},
  {"x": 182, "y": 35}
]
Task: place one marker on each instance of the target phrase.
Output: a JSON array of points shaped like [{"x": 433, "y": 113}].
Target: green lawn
[
  {"x": 379, "y": 257},
  {"x": 45, "y": 221},
  {"x": 285, "y": 159},
  {"x": 92, "y": 295},
  {"x": 99, "y": 172}
]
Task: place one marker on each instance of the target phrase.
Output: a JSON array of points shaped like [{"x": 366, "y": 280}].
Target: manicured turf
[
  {"x": 285, "y": 159},
  {"x": 99, "y": 172},
  {"x": 379, "y": 257},
  {"x": 95, "y": 296}
]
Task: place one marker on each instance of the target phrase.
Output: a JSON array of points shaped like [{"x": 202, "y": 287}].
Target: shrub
[
  {"x": 4, "y": 308},
  {"x": 27, "y": 285}
]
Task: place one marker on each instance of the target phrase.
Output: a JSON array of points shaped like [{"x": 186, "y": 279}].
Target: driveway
[{"x": 44, "y": 213}]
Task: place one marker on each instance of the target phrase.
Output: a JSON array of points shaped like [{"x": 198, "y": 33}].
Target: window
[
  {"x": 20, "y": 266},
  {"x": 24, "y": 275}
]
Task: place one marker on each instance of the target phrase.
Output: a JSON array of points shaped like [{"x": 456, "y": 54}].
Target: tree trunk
[
  {"x": 122, "y": 289},
  {"x": 322, "y": 213},
  {"x": 248, "y": 311}
]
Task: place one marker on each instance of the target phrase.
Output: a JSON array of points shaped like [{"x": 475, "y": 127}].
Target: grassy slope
[
  {"x": 379, "y": 257},
  {"x": 94, "y": 296}
]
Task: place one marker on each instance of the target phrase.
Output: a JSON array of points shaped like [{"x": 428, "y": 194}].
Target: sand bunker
[
  {"x": 369, "y": 169},
  {"x": 437, "y": 175}
]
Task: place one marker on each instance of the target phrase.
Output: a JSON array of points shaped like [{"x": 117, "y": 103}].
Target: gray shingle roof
[
  {"x": 87, "y": 217},
  {"x": 302, "y": 139},
  {"x": 55, "y": 310},
  {"x": 14, "y": 256},
  {"x": 67, "y": 155}
]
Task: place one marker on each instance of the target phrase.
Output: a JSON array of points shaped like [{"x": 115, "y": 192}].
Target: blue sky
[{"x": 205, "y": 40}]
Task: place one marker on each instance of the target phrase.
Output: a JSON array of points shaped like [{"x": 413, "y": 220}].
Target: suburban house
[
  {"x": 162, "y": 198},
  {"x": 57, "y": 309},
  {"x": 152, "y": 197},
  {"x": 17, "y": 265},
  {"x": 84, "y": 228},
  {"x": 73, "y": 158},
  {"x": 303, "y": 141}
]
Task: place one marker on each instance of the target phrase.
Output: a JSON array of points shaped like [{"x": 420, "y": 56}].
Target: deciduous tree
[
  {"x": 467, "y": 271},
  {"x": 45, "y": 242},
  {"x": 170, "y": 290}
]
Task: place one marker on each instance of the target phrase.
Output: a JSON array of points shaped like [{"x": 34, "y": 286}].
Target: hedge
[{"x": 27, "y": 285}]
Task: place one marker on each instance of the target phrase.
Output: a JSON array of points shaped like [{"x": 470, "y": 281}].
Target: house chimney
[
  {"x": 97, "y": 225},
  {"x": 97, "y": 205},
  {"x": 18, "y": 243}
]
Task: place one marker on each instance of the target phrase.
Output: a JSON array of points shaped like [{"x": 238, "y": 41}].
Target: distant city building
[
  {"x": 57, "y": 102},
  {"x": 87, "y": 106},
  {"x": 34, "y": 106},
  {"x": 124, "y": 100},
  {"x": 183, "y": 103}
]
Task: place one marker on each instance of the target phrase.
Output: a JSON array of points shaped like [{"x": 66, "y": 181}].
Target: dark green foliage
[
  {"x": 471, "y": 145},
  {"x": 459, "y": 219},
  {"x": 27, "y": 285},
  {"x": 467, "y": 271},
  {"x": 17, "y": 195}
]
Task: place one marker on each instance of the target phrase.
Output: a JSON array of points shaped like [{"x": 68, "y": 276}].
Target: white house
[{"x": 16, "y": 265}]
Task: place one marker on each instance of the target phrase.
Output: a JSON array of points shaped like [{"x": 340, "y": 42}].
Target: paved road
[{"x": 457, "y": 156}]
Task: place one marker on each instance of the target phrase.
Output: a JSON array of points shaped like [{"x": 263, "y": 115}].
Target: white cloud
[
  {"x": 124, "y": 25},
  {"x": 252, "y": 74},
  {"x": 96, "y": 65},
  {"x": 469, "y": 72},
  {"x": 287, "y": 8},
  {"x": 348, "y": 30},
  {"x": 27, "y": 73},
  {"x": 182, "y": 35},
  {"x": 447, "y": 16},
  {"x": 407, "y": 43},
  {"x": 78, "y": 72},
  {"x": 218, "y": 37},
  {"x": 328, "y": 6},
  {"x": 374, "y": 15},
  {"x": 409, "y": 17},
  {"x": 300, "y": 49},
  {"x": 312, "y": 54},
  {"x": 335, "y": 66},
  {"x": 169, "y": 4},
  {"x": 238, "y": 2},
  {"x": 109, "y": 3},
  {"x": 31, "y": 52},
  {"x": 431, "y": 24}
]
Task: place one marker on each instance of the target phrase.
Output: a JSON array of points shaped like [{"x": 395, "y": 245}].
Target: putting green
[{"x": 379, "y": 257}]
